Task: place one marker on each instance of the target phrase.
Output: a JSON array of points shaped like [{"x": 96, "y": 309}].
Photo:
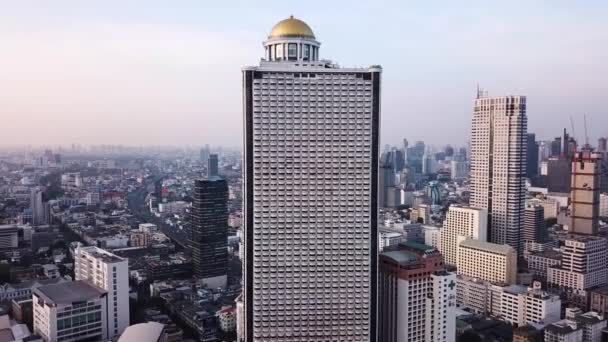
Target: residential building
[
  {"x": 583, "y": 265},
  {"x": 417, "y": 296},
  {"x": 585, "y": 193},
  {"x": 209, "y": 233},
  {"x": 516, "y": 304},
  {"x": 432, "y": 236},
  {"x": 498, "y": 165},
  {"x": 388, "y": 239},
  {"x": 461, "y": 223},
  {"x": 459, "y": 169},
  {"x": 599, "y": 300},
  {"x": 563, "y": 331},
  {"x": 70, "y": 311},
  {"x": 487, "y": 261},
  {"x": 604, "y": 205},
  {"x": 539, "y": 262},
  {"x": 591, "y": 323},
  {"x": 306, "y": 225},
  {"x": 111, "y": 273}
]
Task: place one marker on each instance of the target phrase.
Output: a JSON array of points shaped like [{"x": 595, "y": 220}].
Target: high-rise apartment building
[
  {"x": 460, "y": 224},
  {"x": 498, "y": 164},
  {"x": 417, "y": 296},
  {"x": 209, "y": 231},
  {"x": 111, "y": 273},
  {"x": 39, "y": 207},
  {"x": 487, "y": 261},
  {"x": 585, "y": 193},
  {"x": 212, "y": 166},
  {"x": 310, "y": 195}
]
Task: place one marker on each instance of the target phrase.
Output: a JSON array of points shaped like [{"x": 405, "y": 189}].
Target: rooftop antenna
[
  {"x": 479, "y": 92},
  {"x": 572, "y": 126},
  {"x": 586, "y": 136}
]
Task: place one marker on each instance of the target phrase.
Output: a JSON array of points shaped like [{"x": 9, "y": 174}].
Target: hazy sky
[{"x": 168, "y": 72}]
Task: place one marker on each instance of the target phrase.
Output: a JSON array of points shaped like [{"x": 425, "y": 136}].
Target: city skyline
[{"x": 92, "y": 74}]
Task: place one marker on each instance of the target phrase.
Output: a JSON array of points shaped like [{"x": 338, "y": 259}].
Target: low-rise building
[
  {"x": 70, "y": 311},
  {"x": 487, "y": 261}
]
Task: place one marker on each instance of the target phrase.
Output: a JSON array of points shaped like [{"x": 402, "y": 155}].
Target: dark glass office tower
[
  {"x": 208, "y": 239},
  {"x": 212, "y": 168}
]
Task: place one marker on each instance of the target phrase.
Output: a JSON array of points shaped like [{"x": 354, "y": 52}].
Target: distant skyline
[{"x": 169, "y": 73}]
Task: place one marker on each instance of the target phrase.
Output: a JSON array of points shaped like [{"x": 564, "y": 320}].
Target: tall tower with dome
[{"x": 311, "y": 143}]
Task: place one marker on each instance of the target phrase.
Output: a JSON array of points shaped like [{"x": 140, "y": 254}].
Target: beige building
[
  {"x": 487, "y": 261},
  {"x": 498, "y": 164},
  {"x": 462, "y": 223}
]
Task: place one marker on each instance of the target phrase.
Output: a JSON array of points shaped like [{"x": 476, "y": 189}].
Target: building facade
[
  {"x": 533, "y": 228},
  {"x": 487, "y": 261},
  {"x": 461, "y": 223},
  {"x": 498, "y": 165},
  {"x": 70, "y": 311},
  {"x": 417, "y": 296},
  {"x": 585, "y": 193},
  {"x": 111, "y": 273},
  {"x": 583, "y": 265},
  {"x": 311, "y": 239},
  {"x": 209, "y": 234}
]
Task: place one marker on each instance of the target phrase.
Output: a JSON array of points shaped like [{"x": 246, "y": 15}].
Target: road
[{"x": 137, "y": 204}]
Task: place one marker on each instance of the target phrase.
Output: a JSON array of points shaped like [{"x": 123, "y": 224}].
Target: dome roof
[{"x": 291, "y": 27}]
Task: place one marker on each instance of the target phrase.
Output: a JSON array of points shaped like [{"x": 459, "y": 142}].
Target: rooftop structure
[{"x": 69, "y": 292}]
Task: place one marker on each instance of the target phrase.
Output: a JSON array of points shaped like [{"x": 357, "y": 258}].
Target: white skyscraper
[
  {"x": 111, "y": 273},
  {"x": 498, "y": 165},
  {"x": 311, "y": 162},
  {"x": 461, "y": 223}
]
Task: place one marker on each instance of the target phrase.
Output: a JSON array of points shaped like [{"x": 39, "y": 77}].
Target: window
[
  {"x": 279, "y": 52},
  {"x": 306, "y": 52},
  {"x": 292, "y": 51}
]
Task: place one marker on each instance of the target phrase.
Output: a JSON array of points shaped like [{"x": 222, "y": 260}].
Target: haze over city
[{"x": 154, "y": 72}]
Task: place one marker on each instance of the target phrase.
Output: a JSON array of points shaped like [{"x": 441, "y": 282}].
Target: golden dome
[{"x": 291, "y": 27}]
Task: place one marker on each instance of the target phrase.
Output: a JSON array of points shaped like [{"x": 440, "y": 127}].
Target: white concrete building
[
  {"x": 386, "y": 239},
  {"x": 461, "y": 223},
  {"x": 110, "y": 273},
  {"x": 515, "y": 304},
  {"x": 563, "y": 331},
  {"x": 440, "y": 315},
  {"x": 70, "y": 311},
  {"x": 487, "y": 261},
  {"x": 307, "y": 226},
  {"x": 432, "y": 236},
  {"x": 498, "y": 164},
  {"x": 583, "y": 264},
  {"x": 604, "y": 205}
]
